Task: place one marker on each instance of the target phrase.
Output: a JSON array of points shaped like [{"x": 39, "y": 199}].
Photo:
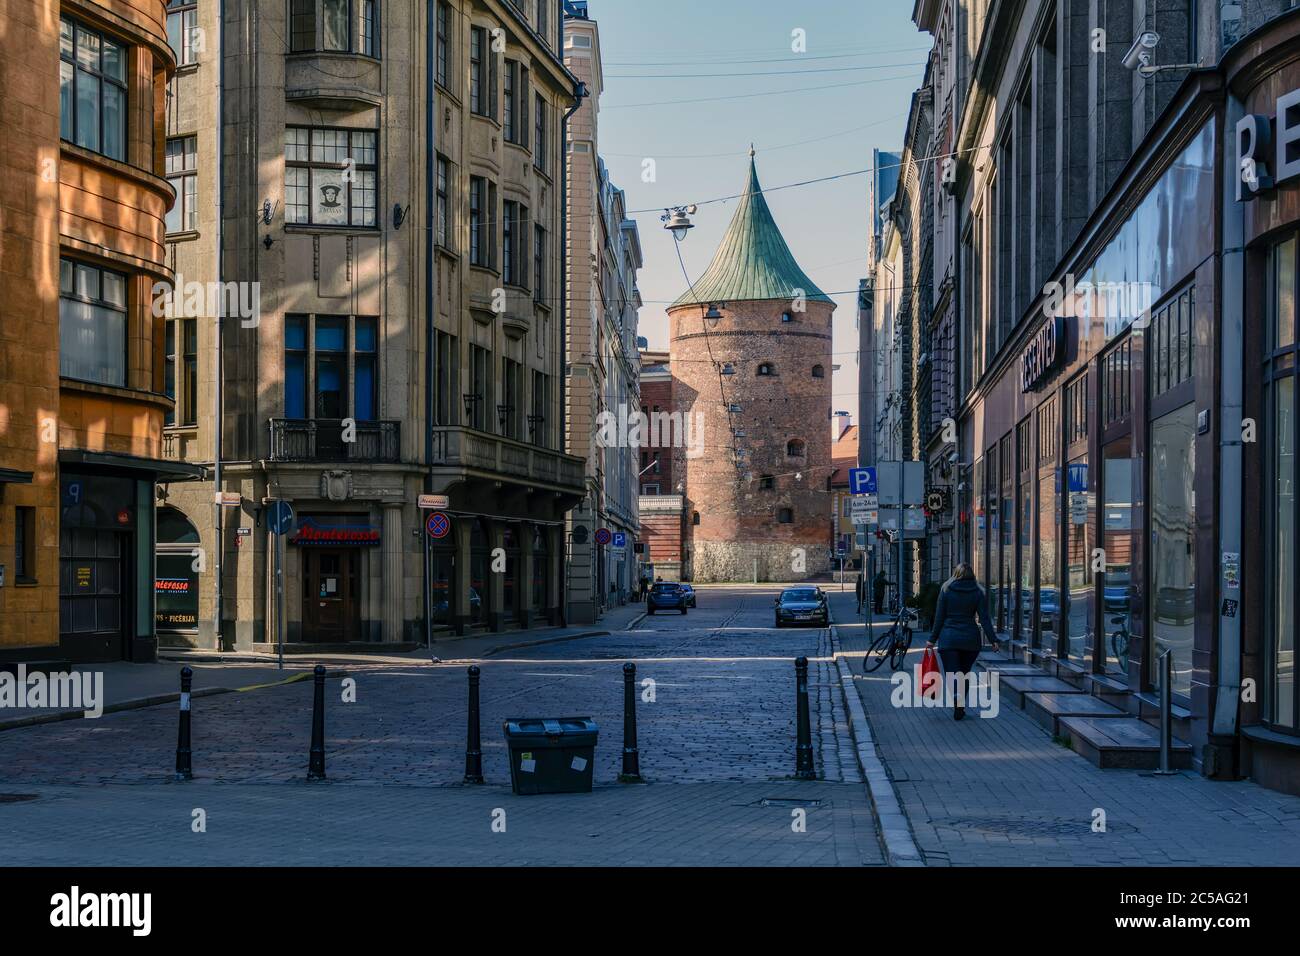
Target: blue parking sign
[
  {"x": 862, "y": 481},
  {"x": 620, "y": 539}
]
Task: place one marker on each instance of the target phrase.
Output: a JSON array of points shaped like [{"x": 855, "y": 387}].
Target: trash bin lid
[{"x": 549, "y": 726}]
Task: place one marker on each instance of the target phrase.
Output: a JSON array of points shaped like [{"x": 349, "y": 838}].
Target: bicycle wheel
[
  {"x": 898, "y": 652},
  {"x": 878, "y": 651}
]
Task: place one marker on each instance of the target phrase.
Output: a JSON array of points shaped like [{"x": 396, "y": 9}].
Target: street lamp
[
  {"x": 471, "y": 403},
  {"x": 677, "y": 221}
]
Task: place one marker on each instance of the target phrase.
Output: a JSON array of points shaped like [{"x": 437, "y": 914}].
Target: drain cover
[
  {"x": 17, "y": 797},
  {"x": 788, "y": 802},
  {"x": 1017, "y": 825}
]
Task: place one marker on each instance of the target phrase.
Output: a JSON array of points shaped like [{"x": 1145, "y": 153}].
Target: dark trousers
[{"x": 958, "y": 662}]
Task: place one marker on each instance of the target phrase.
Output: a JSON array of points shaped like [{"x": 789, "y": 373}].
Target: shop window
[
  {"x": 330, "y": 176},
  {"x": 92, "y": 323},
  {"x": 1171, "y": 339},
  {"x": 1172, "y": 497},
  {"x": 24, "y": 545},
  {"x": 176, "y": 579},
  {"x": 90, "y": 581},
  {"x": 1116, "y": 388},
  {"x": 92, "y": 90},
  {"x": 182, "y": 30}
]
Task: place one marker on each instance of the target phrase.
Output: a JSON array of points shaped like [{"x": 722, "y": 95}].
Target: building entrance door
[{"x": 331, "y": 611}]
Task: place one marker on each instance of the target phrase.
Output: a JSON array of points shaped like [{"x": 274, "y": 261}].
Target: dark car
[
  {"x": 805, "y": 605},
  {"x": 665, "y": 596},
  {"x": 690, "y": 595}
]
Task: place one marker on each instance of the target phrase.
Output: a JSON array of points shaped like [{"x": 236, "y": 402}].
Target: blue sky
[{"x": 700, "y": 147}]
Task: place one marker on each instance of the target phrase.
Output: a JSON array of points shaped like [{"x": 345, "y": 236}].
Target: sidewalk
[
  {"x": 126, "y": 686},
  {"x": 998, "y": 791}
]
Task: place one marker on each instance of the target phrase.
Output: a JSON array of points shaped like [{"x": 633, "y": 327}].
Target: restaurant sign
[{"x": 314, "y": 533}]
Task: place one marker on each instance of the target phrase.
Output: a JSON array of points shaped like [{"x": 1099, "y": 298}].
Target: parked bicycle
[
  {"x": 894, "y": 644},
  {"x": 1119, "y": 639}
]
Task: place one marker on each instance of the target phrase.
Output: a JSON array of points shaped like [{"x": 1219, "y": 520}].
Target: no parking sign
[{"x": 438, "y": 525}]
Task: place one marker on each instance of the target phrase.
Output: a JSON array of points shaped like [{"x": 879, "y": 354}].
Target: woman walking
[{"x": 962, "y": 609}]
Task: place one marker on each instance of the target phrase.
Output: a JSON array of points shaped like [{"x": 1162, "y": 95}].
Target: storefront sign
[
  {"x": 1045, "y": 354},
  {"x": 434, "y": 502},
  {"x": 1257, "y": 136},
  {"x": 313, "y": 533}
]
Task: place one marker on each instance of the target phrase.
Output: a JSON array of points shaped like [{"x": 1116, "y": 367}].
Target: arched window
[
  {"x": 794, "y": 448},
  {"x": 695, "y": 517},
  {"x": 766, "y": 482},
  {"x": 175, "y": 528},
  {"x": 766, "y": 368},
  {"x": 819, "y": 371},
  {"x": 785, "y": 515},
  {"x": 176, "y": 582}
]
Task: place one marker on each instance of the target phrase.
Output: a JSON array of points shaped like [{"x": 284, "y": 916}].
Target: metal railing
[{"x": 294, "y": 439}]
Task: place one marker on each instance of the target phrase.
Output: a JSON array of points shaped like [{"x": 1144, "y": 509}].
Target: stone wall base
[{"x": 718, "y": 562}]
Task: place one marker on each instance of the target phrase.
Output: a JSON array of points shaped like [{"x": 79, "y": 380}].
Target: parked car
[
  {"x": 804, "y": 605},
  {"x": 690, "y": 595},
  {"x": 665, "y": 596}
]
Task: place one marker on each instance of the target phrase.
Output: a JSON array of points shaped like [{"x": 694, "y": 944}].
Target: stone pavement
[
  {"x": 716, "y": 741},
  {"x": 999, "y": 792}
]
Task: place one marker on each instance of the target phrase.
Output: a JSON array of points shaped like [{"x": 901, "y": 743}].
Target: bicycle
[
  {"x": 1119, "y": 640},
  {"x": 894, "y": 643}
]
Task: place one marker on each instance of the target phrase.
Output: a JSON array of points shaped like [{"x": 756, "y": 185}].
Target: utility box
[{"x": 550, "y": 755}]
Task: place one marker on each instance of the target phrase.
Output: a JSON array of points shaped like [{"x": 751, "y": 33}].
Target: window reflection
[
  {"x": 1117, "y": 541},
  {"x": 1173, "y": 531}
]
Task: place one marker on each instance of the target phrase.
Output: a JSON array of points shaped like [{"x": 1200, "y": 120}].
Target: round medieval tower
[{"x": 750, "y": 346}]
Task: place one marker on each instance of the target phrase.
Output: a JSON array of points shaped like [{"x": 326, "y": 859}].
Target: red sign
[
  {"x": 124, "y": 517},
  {"x": 438, "y": 525},
  {"x": 311, "y": 533}
]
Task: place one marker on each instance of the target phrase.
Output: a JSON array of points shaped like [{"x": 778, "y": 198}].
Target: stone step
[
  {"x": 1048, "y": 708},
  {"x": 1014, "y": 687},
  {"x": 1121, "y": 742}
]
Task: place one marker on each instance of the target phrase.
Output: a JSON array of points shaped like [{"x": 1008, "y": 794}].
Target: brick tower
[{"x": 750, "y": 349}]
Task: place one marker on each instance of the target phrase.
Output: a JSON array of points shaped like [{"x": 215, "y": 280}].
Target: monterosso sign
[
  {"x": 1256, "y": 135},
  {"x": 1044, "y": 355}
]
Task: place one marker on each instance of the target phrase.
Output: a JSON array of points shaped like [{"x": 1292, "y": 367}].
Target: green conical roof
[{"x": 753, "y": 262}]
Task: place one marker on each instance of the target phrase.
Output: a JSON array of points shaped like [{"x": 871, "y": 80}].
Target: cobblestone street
[{"x": 716, "y": 741}]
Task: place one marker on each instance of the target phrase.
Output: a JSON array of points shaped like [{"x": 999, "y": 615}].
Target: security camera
[
  {"x": 1139, "y": 54},
  {"x": 952, "y": 457}
]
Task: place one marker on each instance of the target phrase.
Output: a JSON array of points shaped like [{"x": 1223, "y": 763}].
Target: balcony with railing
[
  {"x": 300, "y": 439},
  {"x": 478, "y": 451}
]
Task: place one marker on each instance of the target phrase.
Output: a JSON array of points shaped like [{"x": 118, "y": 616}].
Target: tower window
[
  {"x": 794, "y": 448},
  {"x": 818, "y": 371},
  {"x": 766, "y": 483},
  {"x": 785, "y": 515},
  {"x": 787, "y": 317},
  {"x": 695, "y": 517},
  {"x": 765, "y": 368}
]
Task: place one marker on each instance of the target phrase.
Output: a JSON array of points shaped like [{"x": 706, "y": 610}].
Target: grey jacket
[{"x": 960, "y": 606}]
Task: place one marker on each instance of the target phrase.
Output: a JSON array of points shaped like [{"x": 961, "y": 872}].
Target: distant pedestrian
[
  {"x": 878, "y": 585},
  {"x": 860, "y": 588},
  {"x": 960, "y": 613}
]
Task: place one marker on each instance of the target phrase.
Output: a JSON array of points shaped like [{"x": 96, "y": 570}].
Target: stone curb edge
[
  {"x": 139, "y": 703},
  {"x": 900, "y": 846}
]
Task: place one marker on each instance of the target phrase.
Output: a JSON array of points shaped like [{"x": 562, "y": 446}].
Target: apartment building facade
[
  {"x": 83, "y": 201},
  {"x": 383, "y": 182},
  {"x": 662, "y": 504},
  {"x": 1111, "y": 318},
  {"x": 602, "y": 361}
]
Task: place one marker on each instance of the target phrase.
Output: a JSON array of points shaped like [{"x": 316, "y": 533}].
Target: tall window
[
  {"x": 447, "y": 397},
  {"x": 25, "y": 545},
  {"x": 443, "y": 223},
  {"x": 511, "y": 131},
  {"x": 92, "y": 90},
  {"x": 302, "y": 25},
  {"x": 539, "y": 264},
  {"x": 369, "y": 27},
  {"x": 182, "y": 23},
  {"x": 482, "y": 228},
  {"x": 511, "y": 410},
  {"x": 514, "y": 243},
  {"x": 482, "y": 74},
  {"x": 537, "y": 423},
  {"x": 334, "y": 26},
  {"x": 480, "y": 387},
  {"x": 182, "y": 173},
  {"x": 444, "y": 43},
  {"x": 539, "y": 132},
  {"x": 92, "y": 323},
  {"x": 338, "y": 376},
  {"x": 181, "y": 376},
  {"x": 330, "y": 176},
  {"x": 544, "y": 20},
  {"x": 1279, "y": 506}
]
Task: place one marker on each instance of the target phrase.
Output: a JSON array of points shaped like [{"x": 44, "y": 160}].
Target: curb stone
[{"x": 900, "y": 845}]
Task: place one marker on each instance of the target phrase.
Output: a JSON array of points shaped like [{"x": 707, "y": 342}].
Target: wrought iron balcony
[{"x": 300, "y": 439}]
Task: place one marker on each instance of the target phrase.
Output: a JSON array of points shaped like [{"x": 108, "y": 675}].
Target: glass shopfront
[
  {"x": 1173, "y": 539},
  {"x": 1118, "y": 468}
]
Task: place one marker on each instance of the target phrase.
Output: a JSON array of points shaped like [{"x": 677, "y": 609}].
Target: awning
[{"x": 161, "y": 468}]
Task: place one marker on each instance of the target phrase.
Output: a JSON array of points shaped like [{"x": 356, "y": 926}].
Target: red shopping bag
[{"x": 931, "y": 680}]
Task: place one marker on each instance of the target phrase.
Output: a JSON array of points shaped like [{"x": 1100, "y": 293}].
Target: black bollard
[
  {"x": 184, "y": 769},
  {"x": 803, "y": 752},
  {"x": 316, "y": 761},
  {"x": 631, "y": 757},
  {"x": 473, "y": 746}
]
